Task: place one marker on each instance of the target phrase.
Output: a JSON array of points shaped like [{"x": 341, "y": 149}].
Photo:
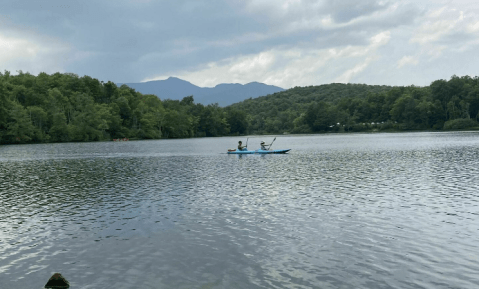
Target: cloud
[
  {"x": 446, "y": 23},
  {"x": 296, "y": 10},
  {"x": 262, "y": 61},
  {"x": 289, "y": 67},
  {"x": 281, "y": 42},
  {"x": 473, "y": 27},
  {"x": 444, "y": 32},
  {"x": 370, "y": 51},
  {"x": 407, "y": 60},
  {"x": 164, "y": 38},
  {"x": 380, "y": 39},
  {"x": 350, "y": 73},
  {"x": 29, "y": 54},
  {"x": 437, "y": 26}
]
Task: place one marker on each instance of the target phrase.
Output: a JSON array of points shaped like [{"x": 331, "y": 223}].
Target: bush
[
  {"x": 460, "y": 123},
  {"x": 386, "y": 126},
  {"x": 301, "y": 129},
  {"x": 439, "y": 125}
]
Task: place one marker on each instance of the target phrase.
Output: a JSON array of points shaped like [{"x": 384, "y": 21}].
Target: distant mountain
[{"x": 223, "y": 94}]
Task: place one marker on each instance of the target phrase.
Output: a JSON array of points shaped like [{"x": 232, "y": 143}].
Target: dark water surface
[{"x": 339, "y": 211}]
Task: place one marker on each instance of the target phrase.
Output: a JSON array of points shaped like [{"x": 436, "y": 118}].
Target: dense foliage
[
  {"x": 452, "y": 104},
  {"x": 66, "y": 107}
]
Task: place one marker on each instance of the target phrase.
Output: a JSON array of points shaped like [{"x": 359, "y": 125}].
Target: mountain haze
[{"x": 224, "y": 94}]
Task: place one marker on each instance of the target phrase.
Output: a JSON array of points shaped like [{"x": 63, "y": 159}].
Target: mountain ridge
[{"x": 224, "y": 93}]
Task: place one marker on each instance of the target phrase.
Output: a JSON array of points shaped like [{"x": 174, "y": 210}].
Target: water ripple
[{"x": 339, "y": 211}]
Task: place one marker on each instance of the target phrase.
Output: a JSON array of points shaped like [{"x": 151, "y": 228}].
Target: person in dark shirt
[{"x": 240, "y": 146}]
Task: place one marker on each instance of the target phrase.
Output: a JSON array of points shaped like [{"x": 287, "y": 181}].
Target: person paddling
[
  {"x": 240, "y": 146},
  {"x": 264, "y": 146}
]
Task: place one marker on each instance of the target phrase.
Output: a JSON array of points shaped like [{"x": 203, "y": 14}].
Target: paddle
[
  {"x": 247, "y": 143},
  {"x": 269, "y": 147}
]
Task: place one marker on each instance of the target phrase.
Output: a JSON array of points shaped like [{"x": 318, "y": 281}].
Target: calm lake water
[{"x": 338, "y": 211}]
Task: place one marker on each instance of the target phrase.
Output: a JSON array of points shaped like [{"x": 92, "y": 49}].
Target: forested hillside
[
  {"x": 285, "y": 111},
  {"x": 66, "y": 107},
  {"x": 452, "y": 104}
]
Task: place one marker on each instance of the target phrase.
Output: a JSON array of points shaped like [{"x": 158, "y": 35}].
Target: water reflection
[{"x": 362, "y": 211}]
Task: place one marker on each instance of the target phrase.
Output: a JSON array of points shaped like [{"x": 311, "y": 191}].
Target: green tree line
[
  {"x": 66, "y": 107},
  {"x": 443, "y": 105}
]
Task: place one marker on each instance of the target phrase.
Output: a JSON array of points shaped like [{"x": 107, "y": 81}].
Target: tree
[
  {"x": 178, "y": 125},
  {"x": 472, "y": 99},
  {"x": 57, "y": 102},
  {"x": 151, "y": 114},
  {"x": 213, "y": 121},
  {"x": 95, "y": 89},
  {"x": 5, "y": 107},
  {"x": 453, "y": 108},
  {"x": 39, "y": 118},
  {"x": 425, "y": 110},
  {"x": 440, "y": 91},
  {"x": 187, "y": 100},
  {"x": 321, "y": 117},
  {"x": 59, "y": 129},
  {"x": 404, "y": 111},
  {"x": 237, "y": 121},
  {"x": 19, "y": 127},
  {"x": 86, "y": 123}
]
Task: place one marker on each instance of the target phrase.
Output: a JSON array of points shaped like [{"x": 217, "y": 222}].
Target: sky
[{"x": 286, "y": 43}]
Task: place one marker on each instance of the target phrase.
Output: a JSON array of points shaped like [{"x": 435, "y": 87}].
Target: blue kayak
[{"x": 260, "y": 151}]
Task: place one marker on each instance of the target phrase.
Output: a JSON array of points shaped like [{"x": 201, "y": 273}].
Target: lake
[{"x": 397, "y": 210}]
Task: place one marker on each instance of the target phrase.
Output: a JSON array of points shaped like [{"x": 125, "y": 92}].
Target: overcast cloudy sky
[{"x": 280, "y": 42}]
